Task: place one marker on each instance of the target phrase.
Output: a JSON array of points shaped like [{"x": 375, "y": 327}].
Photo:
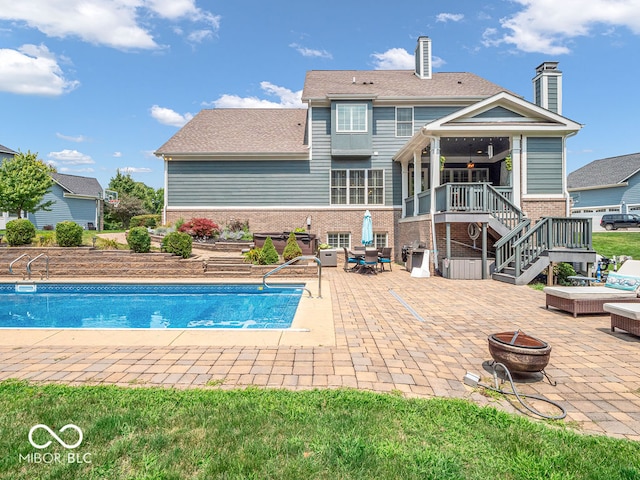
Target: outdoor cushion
[
  {"x": 622, "y": 282},
  {"x": 628, "y": 310},
  {"x": 589, "y": 293}
]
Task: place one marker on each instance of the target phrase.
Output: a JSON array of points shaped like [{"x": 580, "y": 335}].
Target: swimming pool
[{"x": 148, "y": 306}]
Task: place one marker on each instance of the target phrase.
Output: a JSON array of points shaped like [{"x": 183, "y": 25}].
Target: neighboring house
[
  {"x": 609, "y": 185},
  {"x": 76, "y": 198},
  {"x": 6, "y": 153},
  {"x": 428, "y": 154}
]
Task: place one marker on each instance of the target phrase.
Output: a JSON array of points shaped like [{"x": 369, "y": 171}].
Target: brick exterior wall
[
  {"x": 323, "y": 221},
  {"x": 536, "y": 209}
]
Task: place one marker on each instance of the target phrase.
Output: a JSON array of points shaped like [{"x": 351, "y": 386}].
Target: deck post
[{"x": 484, "y": 251}]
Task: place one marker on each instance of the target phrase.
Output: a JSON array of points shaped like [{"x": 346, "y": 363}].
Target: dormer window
[{"x": 351, "y": 118}]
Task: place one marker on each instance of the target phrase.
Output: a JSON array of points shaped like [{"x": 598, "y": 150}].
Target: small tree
[
  {"x": 268, "y": 253},
  {"x": 200, "y": 228},
  {"x": 127, "y": 208},
  {"x": 68, "y": 234},
  {"x": 24, "y": 181},
  {"x": 20, "y": 232},
  {"x": 139, "y": 240},
  {"x": 291, "y": 249}
]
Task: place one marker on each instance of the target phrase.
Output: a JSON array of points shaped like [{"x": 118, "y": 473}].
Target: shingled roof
[
  {"x": 241, "y": 130},
  {"x": 607, "y": 171},
  {"x": 77, "y": 185},
  {"x": 7, "y": 150},
  {"x": 394, "y": 84}
]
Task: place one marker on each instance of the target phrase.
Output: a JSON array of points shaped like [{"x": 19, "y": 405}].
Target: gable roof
[
  {"x": 394, "y": 85},
  {"x": 605, "y": 172},
  {"x": 76, "y": 185},
  {"x": 241, "y": 131},
  {"x": 7, "y": 150}
]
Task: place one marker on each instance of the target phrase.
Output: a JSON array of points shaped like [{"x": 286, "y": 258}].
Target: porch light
[
  {"x": 470, "y": 163},
  {"x": 309, "y": 222}
]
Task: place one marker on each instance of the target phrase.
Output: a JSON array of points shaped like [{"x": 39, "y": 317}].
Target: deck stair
[{"x": 524, "y": 250}]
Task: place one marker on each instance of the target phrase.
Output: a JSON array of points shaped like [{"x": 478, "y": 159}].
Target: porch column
[
  {"x": 417, "y": 177},
  {"x": 405, "y": 186},
  {"x": 434, "y": 170},
  {"x": 518, "y": 169},
  {"x": 484, "y": 251}
]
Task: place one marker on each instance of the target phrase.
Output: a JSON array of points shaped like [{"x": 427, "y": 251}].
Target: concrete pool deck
[{"x": 387, "y": 332}]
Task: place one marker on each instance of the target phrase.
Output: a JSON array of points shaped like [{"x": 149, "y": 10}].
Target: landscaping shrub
[
  {"x": 68, "y": 234},
  {"x": 47, "y": 239},
  {"x": 139, "y": 240},
  {"x": 150, "y": 221},
  {"x": 20, "y": 232},
  {"x": 268, "y": 254},
  {"x": 178, "y": 243},
  {"x": 562, "y": 271},
  {"x": 291, "y": 249},
  {"x": 202, "y": 228},
  {"x": 253, "y": 256}
]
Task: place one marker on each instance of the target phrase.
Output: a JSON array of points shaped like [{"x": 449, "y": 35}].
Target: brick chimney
[
  {"x": 423, "y": 57},
  {"x": 547, "y": 87}
]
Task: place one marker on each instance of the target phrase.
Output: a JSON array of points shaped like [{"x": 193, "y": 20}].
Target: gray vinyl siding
[
  {"x": 81, "y": 211},
  {"x": 499, "y": 112},
  {"x": 244, "y": 183},
  {"x": 537, "y": 92},
  {"x": 424, "y": 115},
  {"x": 544, "y": 165},
  {"x": 344, "y": 144},
  {"x": 630, "y": 194},
  {"x": 552, "y": 89}
]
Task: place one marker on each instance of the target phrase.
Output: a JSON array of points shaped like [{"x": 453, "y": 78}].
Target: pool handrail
[
  {"x": 293, "y": 260},
  {"x": 33, "y": 260},
  {"x": 15, "y": 260}
]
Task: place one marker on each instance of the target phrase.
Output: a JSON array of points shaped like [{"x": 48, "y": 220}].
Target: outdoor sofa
[{"x": 621, "y": 287}]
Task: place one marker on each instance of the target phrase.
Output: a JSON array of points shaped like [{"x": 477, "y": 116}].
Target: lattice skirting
[
  {"x": 628, "y": 324},
  {"x": 584, "y": 305}
]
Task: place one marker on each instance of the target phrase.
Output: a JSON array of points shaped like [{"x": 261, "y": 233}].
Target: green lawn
[
  {"x": 617, "y": 243},
  {"x": 155, "y": 433}
]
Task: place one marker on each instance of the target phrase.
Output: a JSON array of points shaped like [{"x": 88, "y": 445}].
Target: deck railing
[{"x": 547, "y": 234}]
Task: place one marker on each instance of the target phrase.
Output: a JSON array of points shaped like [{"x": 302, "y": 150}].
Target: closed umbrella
[{"x": 367, "y": 229}]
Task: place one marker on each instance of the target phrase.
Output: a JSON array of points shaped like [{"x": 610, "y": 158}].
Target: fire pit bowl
[{"x": 519, "y": 352}]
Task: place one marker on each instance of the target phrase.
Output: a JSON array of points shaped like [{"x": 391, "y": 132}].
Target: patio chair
[
  {"x": 385, "y": 257},
  {"x": 369, "y": 263},
  {"x": 621, "y": 287},
  {"x": 349, "y": 260}
]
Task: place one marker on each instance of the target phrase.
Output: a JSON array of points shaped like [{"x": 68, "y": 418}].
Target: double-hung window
[
  {"x": 357, "y": 187},
  {"x": 404, "y": 121},
  {"x": 351, "y": 117}
]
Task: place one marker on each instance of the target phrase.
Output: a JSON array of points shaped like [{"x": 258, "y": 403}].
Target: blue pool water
[{"x": 147, "y": 306}]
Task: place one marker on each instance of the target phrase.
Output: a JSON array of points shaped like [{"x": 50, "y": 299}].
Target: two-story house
[{"x": 450, "y": 160}]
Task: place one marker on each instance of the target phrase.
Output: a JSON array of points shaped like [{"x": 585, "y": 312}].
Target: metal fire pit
[{"x": 519, "y": 352}]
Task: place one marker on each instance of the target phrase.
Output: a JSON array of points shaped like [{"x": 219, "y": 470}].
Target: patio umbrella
[{"x": 367, "y": 229}]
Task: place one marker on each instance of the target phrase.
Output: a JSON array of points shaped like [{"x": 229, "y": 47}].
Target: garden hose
[{"x": 521, "y": 396}]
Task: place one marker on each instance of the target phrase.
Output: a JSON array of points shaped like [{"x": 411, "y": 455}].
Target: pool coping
[{"x": 312, "y": 324}]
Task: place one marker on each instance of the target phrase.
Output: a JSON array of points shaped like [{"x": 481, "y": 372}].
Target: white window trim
[
  {"x": 366, "y": 117},
  {"x": 366, "y": 186},
  {"x": 348, "y": 234},
  {"x": 412, "y": 123}
]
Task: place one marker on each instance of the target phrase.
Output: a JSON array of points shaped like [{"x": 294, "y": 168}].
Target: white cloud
[
  {"x": 135, "y": 170},
  {"x": 166, "y": 116},
  {"x": 76, "y": 139},
  {"x": 33, "y": 70},
  {"x": 547, "y": 26},
  {"x": 114, "y": 23},
  {"x": 286, "y": 99},
  {"x": 449, "y": 17},
  {"x": 400, "y": 59},
  {"x": 117, "y": 154},
  {"x": 69, "y": 157},
  {"x": 309, "y": 52}
]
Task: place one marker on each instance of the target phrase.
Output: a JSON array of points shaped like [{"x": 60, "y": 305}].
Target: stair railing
[
  {"x": 14, "y": 261},
  {"x": 505, "y": 251},
  {"x": 286, "y": 264},
  {"x": 46, "y": 257}
]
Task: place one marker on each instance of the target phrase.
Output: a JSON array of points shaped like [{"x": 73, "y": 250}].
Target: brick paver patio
[{"x": 382, "y": 345}]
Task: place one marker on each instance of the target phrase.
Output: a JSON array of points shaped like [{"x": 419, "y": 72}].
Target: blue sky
[{"x": 94, "y": 85}]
